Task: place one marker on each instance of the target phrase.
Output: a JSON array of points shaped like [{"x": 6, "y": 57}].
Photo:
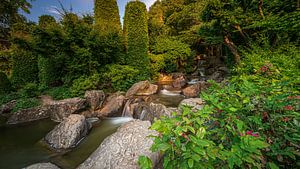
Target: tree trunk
[
  {"x": 233, "y": 49},
  {"x": 260, "y": 4}
]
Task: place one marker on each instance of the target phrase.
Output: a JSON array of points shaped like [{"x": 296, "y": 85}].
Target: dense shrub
[
  {"x": 174, "y": 54},
  {"x": 29, "y": 90},
  {"x": 157, "y": 64},
  {"x": 59, "y": 93},
  {"x": 26, "y": 103},
  {"x": 107, "y": 16},
  {"x": 85, "y": 83},
  {"x": 252, "y": 121},
  {"x": 48, "y": 39},
  {"x": 122, "y": 77},
  {"x": 137, "y": 36},
  {"x": 5, "y": 85},
  {"x": 25, "y": 69}
]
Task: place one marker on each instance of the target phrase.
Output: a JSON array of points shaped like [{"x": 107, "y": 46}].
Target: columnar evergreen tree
[
  {"x": 136, "y": 35},
  {"x": 107, "y": 16}
]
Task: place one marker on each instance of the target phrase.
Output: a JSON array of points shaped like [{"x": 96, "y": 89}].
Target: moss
[
  {"x": 107, "y": 16},
  {"x": 136, "y": 35}
]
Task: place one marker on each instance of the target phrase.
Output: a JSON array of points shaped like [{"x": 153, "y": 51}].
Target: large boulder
[
  {"x": 195, "y": 89},
  {"x": 144, "y": 88},
  {"x": 192, "y": 91},
  {"x": 42, "y": 166},
  {"x": 63, "y": 108},
  {"x": 28, "y": 115},
  {"x": 149, "y": 112},
  {"x": 122, "y": 149},
  {"x": 179, "y": 82},
  {"x": 195, "y": 104},
  {"x": 95, "y": 98},
  {"x": 113, "y": 106},
  {"x": 8, "y": 107},
  {"x": 68, "y": 133}
]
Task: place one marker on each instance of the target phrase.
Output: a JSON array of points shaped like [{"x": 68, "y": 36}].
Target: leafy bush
[
  {"x": 29, "y": 90},
  {"x": 174, "y": 52},
  {"x": 5, "y": 98},
  {"x": 251, "y": 121},
  {"x": 157, "y": 64},
  {"x": 59, "y": 93},
  {"x": 85, "y": 83},
  {"x": 25, "y": 69},
  {"x": 122, "y": 77},
  {"x": 26, "y": 103},
  {"x": 5, "y": 85}
]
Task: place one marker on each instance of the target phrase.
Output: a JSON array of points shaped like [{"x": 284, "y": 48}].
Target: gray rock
[
  {"x": 179, "y": 82},
  {"x": 142, "y": 88},
  {"x": 95, "y": 98},
  {"x": 7, "y": 108},
  {"x": 122, "y": 149},
  {"x": 149, "y": 112},
  {"x": 113, "y": 106},
  {"x": 68, "y": 133},
  {"x": 195, "y": 103},
  {"x": 28, "y": 115},
  {"x": 192, "y": 91},
  {"x": 63, "y": 108},
  {"x": 42, "y": 166}
]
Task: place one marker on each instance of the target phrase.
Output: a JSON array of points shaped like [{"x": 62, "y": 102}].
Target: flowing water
[{"x": 20, "y": 145}]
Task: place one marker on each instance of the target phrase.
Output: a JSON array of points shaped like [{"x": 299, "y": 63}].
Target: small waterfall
[
  {"x": 127, "y": 112},
  {"x": 169, "y": 93}
]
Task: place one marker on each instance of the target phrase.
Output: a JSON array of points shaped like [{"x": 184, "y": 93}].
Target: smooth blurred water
[{"x": 20, "y": 145}]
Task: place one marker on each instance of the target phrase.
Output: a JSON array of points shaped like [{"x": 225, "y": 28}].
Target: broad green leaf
[{"x": 191, "y": 163}]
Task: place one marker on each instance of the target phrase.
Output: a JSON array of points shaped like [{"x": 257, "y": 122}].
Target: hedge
[
  {"x": 136, "y": 34},
  {"x": 107, "y": 16}
]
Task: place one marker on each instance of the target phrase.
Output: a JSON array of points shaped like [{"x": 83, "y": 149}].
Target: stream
[{"x": 20, "y": 145}]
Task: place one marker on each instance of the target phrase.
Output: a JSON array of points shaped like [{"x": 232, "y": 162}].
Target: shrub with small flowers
[{"x": 252, "y": 121}]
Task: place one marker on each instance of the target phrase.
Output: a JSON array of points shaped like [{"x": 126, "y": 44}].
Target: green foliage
[
  {"x": 5, "y": 98},
  {"x": 45, "y": 20},
  {"x": 5, "y": 61},
  {"x": 25, "y": 69},
  {"x": 29, "y": 90},
  {"x": 145, "y": 162},
  {"x": 59, "y": 93},
  {"x": 26, "y": 103},
  {"x": 136, "y": 34},
  {"x": 10, "y": 14},
  {"x": 85, "y": 83},
  {"x": 174, "y": 53},
  {"x": 5, "y": 85},
  {"x": 107, "y": 16},
  {"x": 157, "y": 64},
  {"x": 122, "y": 77},
  {"x": 259, "y": 105}
]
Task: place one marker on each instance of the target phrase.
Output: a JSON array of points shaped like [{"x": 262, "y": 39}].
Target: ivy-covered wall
[
  {"x": 136, "y": 34},
  {"x": 107, "y": 18}
]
